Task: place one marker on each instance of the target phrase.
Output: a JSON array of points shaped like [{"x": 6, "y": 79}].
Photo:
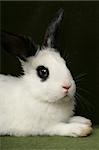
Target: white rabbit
[{"x": 40, "y": 102}]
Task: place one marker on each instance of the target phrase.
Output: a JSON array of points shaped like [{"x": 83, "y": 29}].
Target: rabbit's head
[{"x": 45, "y": 71}]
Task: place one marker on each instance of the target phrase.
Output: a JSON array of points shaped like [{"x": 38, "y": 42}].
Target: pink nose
[{"x": 67, "y": 87}]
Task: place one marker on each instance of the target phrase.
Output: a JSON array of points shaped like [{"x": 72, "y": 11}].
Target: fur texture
[
  {"x": 27, "y": 98},
  {"x": 32, "y": 106}
]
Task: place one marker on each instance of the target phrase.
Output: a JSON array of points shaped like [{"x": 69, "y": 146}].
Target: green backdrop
[{"x": 77, "y": 39}]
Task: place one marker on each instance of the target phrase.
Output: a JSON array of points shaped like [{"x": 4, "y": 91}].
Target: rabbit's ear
[
  {"x": 52, "y": 30},
  {"x": 18, "y": 45}
]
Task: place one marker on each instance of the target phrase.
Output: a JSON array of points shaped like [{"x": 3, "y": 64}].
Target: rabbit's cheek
[
  {"x": 55, "y": 93},
  {"x": 72, "y": 90}
]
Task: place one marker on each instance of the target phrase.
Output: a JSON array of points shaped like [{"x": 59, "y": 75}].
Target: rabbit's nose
[{"x": 67, "y": 87}]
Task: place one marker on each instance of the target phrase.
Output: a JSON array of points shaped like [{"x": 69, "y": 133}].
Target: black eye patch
[{"x": 42, "y": 72}]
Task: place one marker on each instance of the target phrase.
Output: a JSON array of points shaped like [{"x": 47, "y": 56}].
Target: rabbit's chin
[
  {"x": 60, "y": 99},
  {"x": 70, "y": 96}
]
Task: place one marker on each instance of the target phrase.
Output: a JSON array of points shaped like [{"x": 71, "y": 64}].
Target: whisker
[
  {"x": 78, "y": 81},
  {"x": 82, "y": 103},
  {"x": 80, "y": 76},
  {"x": 84, "y": 90},
  {"x": 86, "y": 103},
  {"x": 79, "y": 102},
  {"x": 66, "y": 57}
]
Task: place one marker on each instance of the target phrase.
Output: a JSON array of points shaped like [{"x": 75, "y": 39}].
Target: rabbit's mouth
[
  {"x": 66, "y": 95},
  {"x": 69, "y": 89},
  {"x": 66, "y": 90},
  {"x": 66, "y": 98}
]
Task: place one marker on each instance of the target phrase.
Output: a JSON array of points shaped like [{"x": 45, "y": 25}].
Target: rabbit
[{"x": 42, "y": 101}]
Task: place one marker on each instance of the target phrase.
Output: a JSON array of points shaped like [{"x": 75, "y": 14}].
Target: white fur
[{"x": 29, "y": 106}]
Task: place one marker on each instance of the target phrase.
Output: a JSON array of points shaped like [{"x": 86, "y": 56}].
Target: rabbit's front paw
[
  {"x": 81, "y": 130},
  {"x": 79, "y": 119}
]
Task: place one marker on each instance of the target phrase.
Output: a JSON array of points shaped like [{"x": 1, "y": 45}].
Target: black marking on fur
[{"x": 18, "y": 45}]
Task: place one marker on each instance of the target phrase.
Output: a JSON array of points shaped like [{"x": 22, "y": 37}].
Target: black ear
[
  {"x": 52, "y": 30},
  {"x": 18, "y": 45}
]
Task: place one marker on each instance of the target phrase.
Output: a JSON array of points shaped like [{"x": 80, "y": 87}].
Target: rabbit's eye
[{"x": 42, "y": 72}]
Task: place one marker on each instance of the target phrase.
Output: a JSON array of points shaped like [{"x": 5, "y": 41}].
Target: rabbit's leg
[
  {"x": 79, "y": 119},
  {"x": 70, "y": 129}
]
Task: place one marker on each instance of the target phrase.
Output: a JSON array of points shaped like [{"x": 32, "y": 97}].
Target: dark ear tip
[
  {"x": 60, "y": 12},
  {"x": 58, "y": 17},
  {"x": 52, "y": 30}
]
